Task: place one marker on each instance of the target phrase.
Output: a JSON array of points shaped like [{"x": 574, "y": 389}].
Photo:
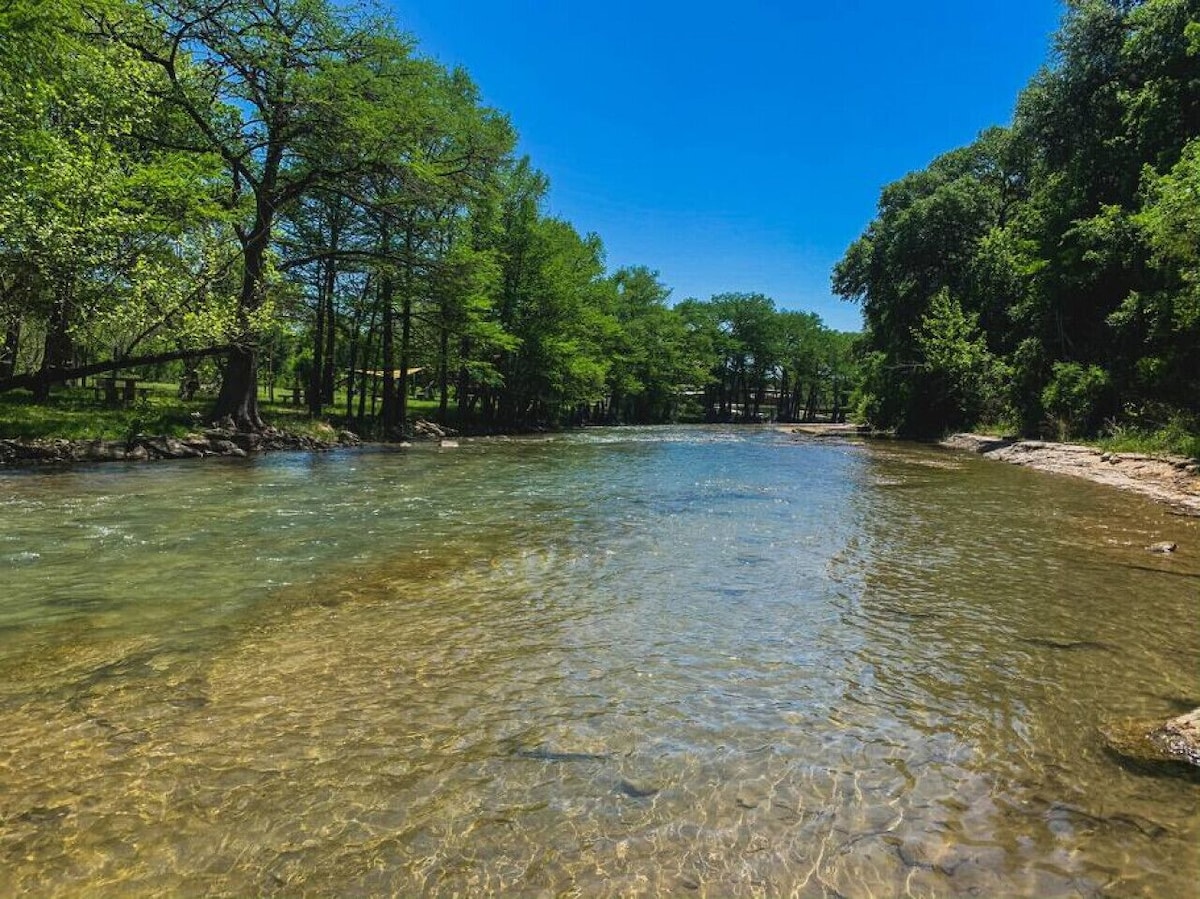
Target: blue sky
[{"x": 737, "y": 147}]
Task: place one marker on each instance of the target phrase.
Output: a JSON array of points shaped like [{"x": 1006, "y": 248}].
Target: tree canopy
[
  {"x": 289, "y": 187},
  {"x": 1046, "y": 275}
]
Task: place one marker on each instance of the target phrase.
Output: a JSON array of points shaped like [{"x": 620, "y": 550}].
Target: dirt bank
[{"x": 1168, "y": 479}]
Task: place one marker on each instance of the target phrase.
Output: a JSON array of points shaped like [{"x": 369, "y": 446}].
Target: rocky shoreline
[
  {"x": 222, "y": 439},
  {"x": 217, "y": 441},
  {"x": 1173, "y": 480}
]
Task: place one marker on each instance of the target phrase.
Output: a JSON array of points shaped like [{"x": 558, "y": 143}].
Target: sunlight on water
[{"x": 629, "y": 662}]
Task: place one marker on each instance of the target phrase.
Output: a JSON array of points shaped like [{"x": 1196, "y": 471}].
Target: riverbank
[
  {"x": 1174, "y": 480},
  {"x": 217, "y": 441}
]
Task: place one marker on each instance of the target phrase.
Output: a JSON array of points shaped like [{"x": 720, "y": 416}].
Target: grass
[
  {"x": 75, "y": 413},
  {"x": 1168, "y": 441}
]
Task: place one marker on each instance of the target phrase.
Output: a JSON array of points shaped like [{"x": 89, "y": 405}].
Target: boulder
[
  {"x": 226, "y": 448},
  {"x": 1180, "y": 737},
  {"x": 1152, "y": 744},
  {"x": 247, "y": 440},
  {"x": 105, "y": 451}
]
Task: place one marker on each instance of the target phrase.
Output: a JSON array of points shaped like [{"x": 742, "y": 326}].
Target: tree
[
  {"x": 294, "y": 97},
  {"x": 106, "y": 243}
]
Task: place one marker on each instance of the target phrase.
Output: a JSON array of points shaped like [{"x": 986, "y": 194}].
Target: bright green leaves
[{"x": 1069, "y": 240}]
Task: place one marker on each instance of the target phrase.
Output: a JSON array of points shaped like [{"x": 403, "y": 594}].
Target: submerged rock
[
  {"x": 1152, "y": 744},
  {"x": 1180, "y": 737},
  {"x": 1164, "y": 547}
]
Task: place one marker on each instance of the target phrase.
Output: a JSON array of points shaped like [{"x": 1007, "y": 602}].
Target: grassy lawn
[{"x": 75, "y": 413}]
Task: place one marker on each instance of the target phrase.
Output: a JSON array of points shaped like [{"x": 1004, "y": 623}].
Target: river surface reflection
[{"x": 693, "y": 661}]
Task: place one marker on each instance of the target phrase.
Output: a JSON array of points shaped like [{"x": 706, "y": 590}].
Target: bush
[{"x": 1075, "y": 397}]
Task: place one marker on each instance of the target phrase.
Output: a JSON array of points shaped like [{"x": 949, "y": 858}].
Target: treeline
[
  {"x": 1048, "y": 275},
  {"x": 287, "y": 187}
]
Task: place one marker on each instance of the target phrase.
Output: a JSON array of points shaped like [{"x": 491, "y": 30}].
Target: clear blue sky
[{"x": 737, "y": 147}]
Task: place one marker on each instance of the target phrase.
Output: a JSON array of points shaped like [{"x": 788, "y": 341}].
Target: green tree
[{"x": 294, "y": 97}]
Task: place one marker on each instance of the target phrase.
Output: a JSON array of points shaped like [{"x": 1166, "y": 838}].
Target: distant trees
[
  {"x": 764, "y": 357},
  {"x": 1045, "y": 275}
]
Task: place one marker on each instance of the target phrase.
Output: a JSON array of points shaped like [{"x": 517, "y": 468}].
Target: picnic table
[{"x": 123, "y": 395}]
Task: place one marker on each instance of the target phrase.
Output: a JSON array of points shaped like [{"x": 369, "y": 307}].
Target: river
[{"x": 684, "y": 661}]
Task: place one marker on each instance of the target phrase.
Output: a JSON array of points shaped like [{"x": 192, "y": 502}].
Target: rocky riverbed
[{"x": 1169, "y": 479}]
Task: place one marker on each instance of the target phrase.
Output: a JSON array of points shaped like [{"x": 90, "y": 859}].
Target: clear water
[{"x": 641, "y": 662}]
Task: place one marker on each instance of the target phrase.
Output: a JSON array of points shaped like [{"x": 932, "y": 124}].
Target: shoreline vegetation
[
  {"x": 244, "y": 198},
  {"x": 310, "y": 205}
]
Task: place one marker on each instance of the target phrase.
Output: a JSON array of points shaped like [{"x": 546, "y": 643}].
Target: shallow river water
[{"x": 631, "y": 662}]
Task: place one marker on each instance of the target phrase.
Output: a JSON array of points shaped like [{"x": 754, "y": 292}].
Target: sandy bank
[{"x": 1168, "y": 479}]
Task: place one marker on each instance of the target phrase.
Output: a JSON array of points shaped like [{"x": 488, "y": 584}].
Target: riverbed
[{"x": 698, "y": 661}]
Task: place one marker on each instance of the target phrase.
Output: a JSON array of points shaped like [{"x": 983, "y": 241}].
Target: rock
[
  {"x": 1153, "y": 744},
  {"x": 105, "y": 451},
  {"x": 448, "y": 444},
  {"x": 1164, "y": 547},
  {"x": 137, "y": 453},
  {"x": 248, "y": 441},
  {"x": 431, "y": 431},
  {"x": 1180, "y": 737},
  {"x": 348, "y": 438},
  {"x": 226, "y": 448},
  {"x": 428, "y": 429},
  {"x": 169, "y": 448},
  {"x": 1104, "y": 457}
]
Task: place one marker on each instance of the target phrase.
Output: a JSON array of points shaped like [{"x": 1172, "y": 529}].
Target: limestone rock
[
  {"x": 1180, "y": 737},
  {"x": 1151, "y": 743}
]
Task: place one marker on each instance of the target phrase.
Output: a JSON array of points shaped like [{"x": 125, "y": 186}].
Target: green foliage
[
  {"x": 290, "y": 181},
  {"x": 1150, "y": 431},
  {"x": 961, "y": 382},
  {"x": 1074, "y": 397},
  {"x": 1067, "y": 242}
]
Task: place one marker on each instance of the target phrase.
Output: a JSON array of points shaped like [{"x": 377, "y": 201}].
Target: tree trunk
[
  {"x": 318, "y": 345},
  {"x": 367, "y": 385},
  {"x": 8, "y": 354},
  {"x": 329, "y": 373},
  {"x": 464, "y": 380},
  {"x": 238, "y": 398},
  {"x": 56, "y": 352},
  {"x": 444, "y": 375},
  {"x": 389, "y": 412},
  {"x": 405, "y": 339}
]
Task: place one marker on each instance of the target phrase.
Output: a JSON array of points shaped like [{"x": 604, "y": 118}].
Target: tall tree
[{"x": 294, "y": 96}]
